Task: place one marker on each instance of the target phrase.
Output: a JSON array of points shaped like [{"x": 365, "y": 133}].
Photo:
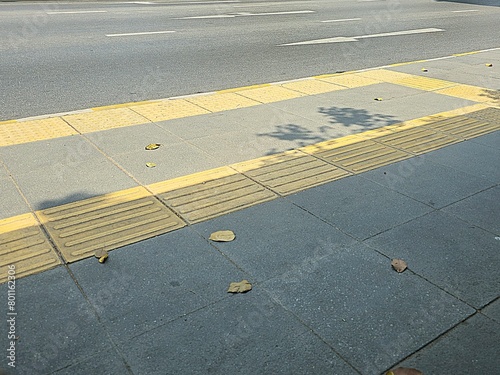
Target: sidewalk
[{"x": 322, "y": 184}]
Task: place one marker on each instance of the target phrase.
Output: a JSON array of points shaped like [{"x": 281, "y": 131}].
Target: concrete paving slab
[
  {"x": 470, "y": 348},
  {"x": 471, "y": 158},
  {"x": 68, "y": 182},
  {"x": 481, "y": 209},
  {"x": 145, "y": 285},
  {"x": 107, "y": 362},
  {"x": 171, "y": 161},
  {"x": 381, "y": 208},
  {"x": 492, "y": 311},
  {"x": 265, "y": 246},
  {"x": 243, "y": 334},
  {"x": 367, "y": 312},
  {"x": 12, "y": 203},
  {"x": 491, "y": 140},
  {"x": 56, "y": 325},
  {"x": 454, "y": 255},
  {"x": 433, "y": 184},
  {"x": 131, "y": 138}
]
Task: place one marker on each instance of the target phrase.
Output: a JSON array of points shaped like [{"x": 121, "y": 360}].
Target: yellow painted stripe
[
  {"x": 465, "y": 53},
  {"x": 408, "y": 63}
]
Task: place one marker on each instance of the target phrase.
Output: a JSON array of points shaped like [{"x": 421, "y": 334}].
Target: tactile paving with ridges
[
  {"x": 222, "y": 102},
  {"x": 168, "y": 110},
  {"x": 362, "y": 156},
  {"x": 349, "y": 80},
  {"x": 488, "y": 114},
  {"x": 23, "y": 245},
  {"x": 424, "y": 83},
  {"x": 270, "y": 94},
  {"x": 464, "y": 127},
  {"x": 107, "y": 222},
  {"x": 14, "y": 133},
  {"x": 312, "y": 86},
  {"x": 105, "y": 119},
  {"x": 290, "y": 172},
  {"x": 213, "y": 198},
  {"x": 417, "y": 140}
]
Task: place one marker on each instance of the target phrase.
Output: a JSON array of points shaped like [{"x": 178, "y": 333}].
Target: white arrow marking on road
[
  {"x": 143, "y": 33},
  {"x": 342, "y": 39},
  {"x": 244, "y": 14}
]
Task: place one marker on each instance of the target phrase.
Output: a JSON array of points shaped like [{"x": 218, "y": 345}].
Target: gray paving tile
[
  {"x": 471, "y": 158},
  {"x": 470, "y": 348},
  {"x": 68, "y": 182},
  {"x": 490, "y": 140},
  {"x": 106, "y": 362},
  {"x": 359, "y": 207},
  {"x": 492, "y": 311},
  {"x": 430, "y": 183},
  {"x": 11, "y": 203},
  {"x": 367, "y": 312},
  {"x": 482, "y": 209},
  {"x": 147, "y": 284},
  {"x": 56, "y": 326},
  {"x": 244, "y": 334},
  {"x": 131, "y": 138},
  {"x": 171, "y": 161},
  {"x": 460, "y": 258},
  {"x": 274, "y": 238}
]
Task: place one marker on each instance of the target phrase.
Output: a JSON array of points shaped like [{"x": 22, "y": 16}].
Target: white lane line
[
  {"x": 245, "y": 14},
  {"x": 185, "y": 2},
  {"x": 78, "y": 12},
  {"x": 465, "y": 11},
  {"x": 343, "y": 20},
  {"x": 342, "y": 39},
  {"x": 143, "y": 33},
  {"x": 273, "y": 4}
]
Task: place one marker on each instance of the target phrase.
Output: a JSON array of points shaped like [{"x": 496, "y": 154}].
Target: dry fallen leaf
[
  {"x": 102, "y": 255},
  {"x": 489, "y": 65},
  {"x": 399, "y": 265},
  {"x": 424, "y": 70},
  {"x": 152, "y": 146},
  {"x": 150, "y": 165},
  {"x": 378, "y": 99},
  {"x": 242, "y": 287},
  {"x": 222, "y": 236},
  {"x": 404, "y": 371}
]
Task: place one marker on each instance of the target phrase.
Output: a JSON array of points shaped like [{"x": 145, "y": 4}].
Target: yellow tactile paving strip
[
  {"x": 222, "y": 102},
  {"x": 23, "y": 244},
  {"x": 79, "y": 229},
  {"x": 101, "y": 120},
  {"x": 270, "y": 94},
  {"x": 213, "y": 198},
  {"x": 13, "y": 133},
  {"x": 168, "y": 110},
  {"x": 312, "y": 86},
  {"x": 290, "y": 172},
  {"x": 349, "y": 80},
  {"x": 474, "y": 93}
]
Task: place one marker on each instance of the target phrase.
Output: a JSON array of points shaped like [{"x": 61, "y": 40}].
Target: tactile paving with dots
[
  {"x": 104, "y": 119},
  {"x": 24, "y": 246},
  {"x": 424, "y": 83},
  {"x": 474, "y": 93},
  {"x": 385, "y": 75},
  {"x": 169, "y": 109},
  {"x": 222, "y": 101},
  {"x": 312, "y": 86},
  {"x": 349, "y": 80},
  {"x": 107, "y": 222},
  {"x": 290, "y": 172},
  {"x": 18, "y": 132},
  {"x": 270, "y": 94}
]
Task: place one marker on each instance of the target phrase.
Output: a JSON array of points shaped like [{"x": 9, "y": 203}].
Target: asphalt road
[{"x": 57, "y": 57}]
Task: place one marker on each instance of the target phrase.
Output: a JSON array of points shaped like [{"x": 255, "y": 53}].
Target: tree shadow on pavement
[
  {"x": 492, "y": 95},
  {"x": 340, "y": 119}
]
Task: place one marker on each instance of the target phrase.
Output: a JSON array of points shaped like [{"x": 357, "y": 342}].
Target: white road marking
[
  {"x": 78, "y": 12},
  {"x": 343, "y": 20},
  {"x": 245, "y": 14},
  {"x": 342, "y": 39},
  {"x": 143, "y": 33},
  {"x": 273, "y": 4},
  {"x": 465, "y": 11},
  {"x": 186, "y": 2}
]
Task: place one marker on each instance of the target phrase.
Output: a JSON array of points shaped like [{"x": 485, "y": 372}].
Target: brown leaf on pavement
[
  {"x": 152, "y": 146},
  {"x": 222, "y": 236},
  {"x": 150, "y": 165},
  {"x": 399, "y": 265},
  {"x": 404, "y": 371},
  {"x": 242, "y": 287},
  {"x": 102, "y": 255}
]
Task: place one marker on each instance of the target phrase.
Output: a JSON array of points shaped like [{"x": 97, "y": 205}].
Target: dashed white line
[
  {"x": 142, "y": 33},
  {"x": 78, "y": 12},
  {"x": 343, "y": 20},
  {"x": 245, "y": 14},
  {"x": 465, "y": 11}
]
